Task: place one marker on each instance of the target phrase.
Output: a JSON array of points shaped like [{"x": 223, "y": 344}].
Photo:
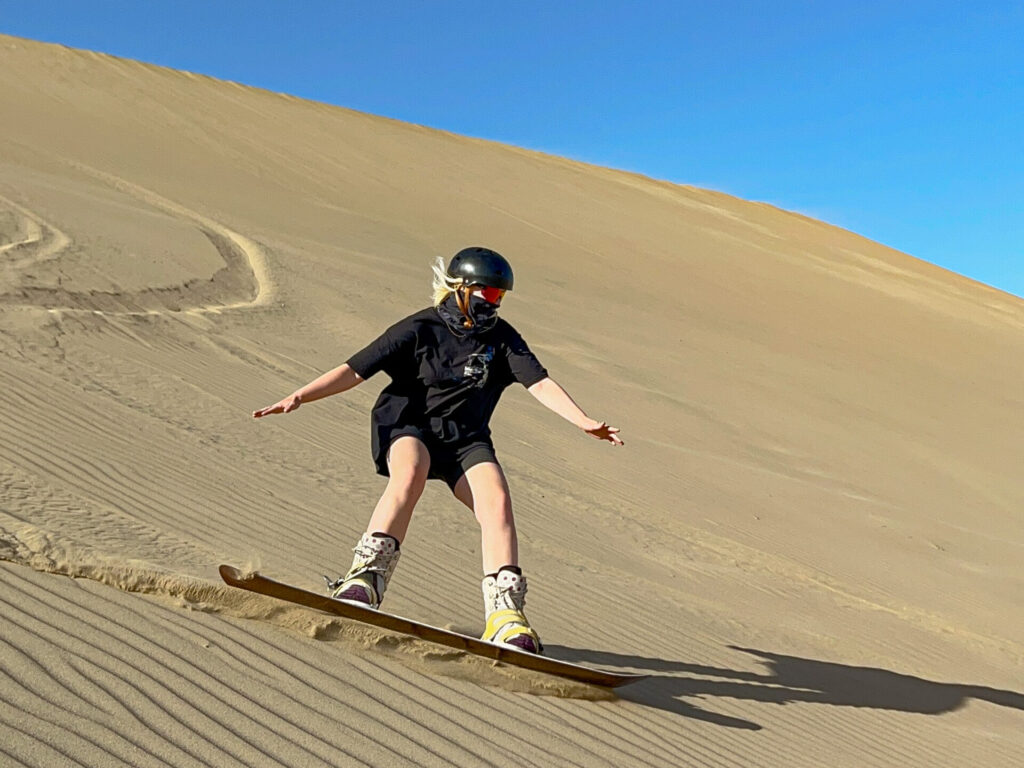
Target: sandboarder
[{"x": 449, "y": 365}]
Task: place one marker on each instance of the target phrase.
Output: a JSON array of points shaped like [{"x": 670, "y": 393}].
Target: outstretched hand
[
  {"x": 602, "y": 431},
  {"x": 287, "y": 405}
]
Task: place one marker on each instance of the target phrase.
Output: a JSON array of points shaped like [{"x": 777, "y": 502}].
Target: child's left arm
[{"x": 552, "y": 396}]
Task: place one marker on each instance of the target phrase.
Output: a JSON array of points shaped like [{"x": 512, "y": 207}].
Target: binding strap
[{"x": 503, "y": 625}]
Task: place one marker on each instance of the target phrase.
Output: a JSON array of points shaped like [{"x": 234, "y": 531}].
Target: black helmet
[{"x": 481, "y": 266}]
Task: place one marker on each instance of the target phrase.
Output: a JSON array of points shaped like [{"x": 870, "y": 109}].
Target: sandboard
[{"x": 254, "y": 582}]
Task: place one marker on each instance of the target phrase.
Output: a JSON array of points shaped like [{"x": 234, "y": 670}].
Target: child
[{"x": 449, "y": 365}]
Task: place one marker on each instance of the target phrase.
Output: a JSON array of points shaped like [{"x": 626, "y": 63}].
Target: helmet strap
[{"x": 462, "y": 298}]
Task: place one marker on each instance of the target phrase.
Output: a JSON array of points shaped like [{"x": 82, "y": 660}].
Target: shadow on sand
[{"x": 788, "y": 679}]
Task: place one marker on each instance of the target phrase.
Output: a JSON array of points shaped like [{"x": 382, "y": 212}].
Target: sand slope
[{"x": 819, "y": 503}]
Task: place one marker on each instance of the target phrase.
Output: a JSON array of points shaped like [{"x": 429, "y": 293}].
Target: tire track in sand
[
  {"x": 42, "y": 239},
  {"x": 246, "y": 269}
]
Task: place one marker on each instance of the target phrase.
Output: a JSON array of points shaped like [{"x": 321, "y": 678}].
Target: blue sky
[{"x": 902, "y": 120}]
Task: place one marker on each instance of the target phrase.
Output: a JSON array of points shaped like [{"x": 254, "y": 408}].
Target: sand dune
[{"x": 819, "y": 504}]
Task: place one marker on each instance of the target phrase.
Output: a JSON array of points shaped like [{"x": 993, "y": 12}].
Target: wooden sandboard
[{"x": 254, "y": 582}]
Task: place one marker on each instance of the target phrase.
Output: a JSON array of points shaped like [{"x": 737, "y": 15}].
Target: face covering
[{"x": 483, "y": 313}]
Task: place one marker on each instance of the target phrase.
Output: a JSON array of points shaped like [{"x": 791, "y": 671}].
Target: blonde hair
[{"x": 444, "y": 284}]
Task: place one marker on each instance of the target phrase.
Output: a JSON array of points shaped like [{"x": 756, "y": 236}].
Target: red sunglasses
[{"x": 492, "y": 295}]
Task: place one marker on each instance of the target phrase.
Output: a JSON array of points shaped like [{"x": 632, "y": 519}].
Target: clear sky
[{"x": 900, "y": 120}]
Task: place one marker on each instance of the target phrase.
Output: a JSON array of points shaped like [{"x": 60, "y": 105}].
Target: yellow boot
[{"x": 504, "y": 600}]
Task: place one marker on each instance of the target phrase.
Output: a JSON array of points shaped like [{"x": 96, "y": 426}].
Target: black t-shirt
[{"x": 447, "y": 384}]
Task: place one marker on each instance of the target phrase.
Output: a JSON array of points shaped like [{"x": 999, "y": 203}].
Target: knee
[
  {"x": 495, "y": 510},
  {"x": 407, "y": 480}
]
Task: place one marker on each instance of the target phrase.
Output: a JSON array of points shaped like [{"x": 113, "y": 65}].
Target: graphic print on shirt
[{"x": 478, "y": 366}]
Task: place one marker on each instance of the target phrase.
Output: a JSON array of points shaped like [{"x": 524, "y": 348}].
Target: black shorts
[{"x": 448, "y": 461}]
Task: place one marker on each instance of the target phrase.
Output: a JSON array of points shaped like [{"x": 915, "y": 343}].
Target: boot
[
  {"x": 376, "y": 556},
  {"x": 504, "y": 599}
]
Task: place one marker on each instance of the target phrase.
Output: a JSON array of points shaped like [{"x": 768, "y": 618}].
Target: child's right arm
[{"x": 331, "y": 383}]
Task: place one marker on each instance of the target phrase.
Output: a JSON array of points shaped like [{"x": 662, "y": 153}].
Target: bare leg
[
  {"x": 408, "y": 465},
  {"x": 484, "y": 490}
]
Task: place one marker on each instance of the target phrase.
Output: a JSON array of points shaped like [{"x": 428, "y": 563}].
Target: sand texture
[{"x": 812, "y": 539}]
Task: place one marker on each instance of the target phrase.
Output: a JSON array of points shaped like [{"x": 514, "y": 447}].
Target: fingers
[
  {"x": 284, "y": 406},
  {"x": 604, "y": 432},
  {"x": 612, "y": 436}
]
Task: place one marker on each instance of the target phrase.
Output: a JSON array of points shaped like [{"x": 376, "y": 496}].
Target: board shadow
[{"x": 787, "y": 679}]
